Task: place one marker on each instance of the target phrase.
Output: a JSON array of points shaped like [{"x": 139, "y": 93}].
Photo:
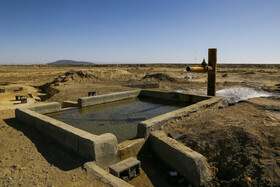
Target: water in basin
[{"x": 119, "y": 118}]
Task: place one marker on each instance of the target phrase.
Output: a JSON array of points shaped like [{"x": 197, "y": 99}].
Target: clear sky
[{"x": 139, "y": 31}]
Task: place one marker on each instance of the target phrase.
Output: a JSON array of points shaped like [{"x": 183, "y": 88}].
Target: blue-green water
[{"x": 119, "y": 118}]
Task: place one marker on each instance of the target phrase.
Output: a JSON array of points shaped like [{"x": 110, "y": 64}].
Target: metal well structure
[{"x": 211, "y": 68}]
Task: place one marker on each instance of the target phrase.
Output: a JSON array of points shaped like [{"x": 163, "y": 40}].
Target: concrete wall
[
  {"x": 190, "y": 164},
  {"x": 46, "y": 108},
  {"x": 173, "y": 96},
  {"x": 88, "y": 101},
  {"x": 67, "y": 104},
  {"x": 144, "y": 128},
  {"x": 130, "y": 148},
  {"x": 101, "y": 149}
]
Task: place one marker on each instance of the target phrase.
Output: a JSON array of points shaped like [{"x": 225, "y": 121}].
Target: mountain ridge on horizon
[{"x": 61, "y": 62}]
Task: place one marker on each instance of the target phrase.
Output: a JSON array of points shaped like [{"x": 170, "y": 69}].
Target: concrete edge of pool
[
  {"x": 190, "y": 164},
  {"x": 103, "y": 149}
]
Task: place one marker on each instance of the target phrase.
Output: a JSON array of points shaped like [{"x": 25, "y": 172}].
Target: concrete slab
[{"x": 126, "y": 169}]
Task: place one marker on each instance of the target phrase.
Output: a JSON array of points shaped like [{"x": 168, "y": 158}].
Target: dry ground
[
  {"x": 29, "y": 159},
  {"x": 228, "y": 137},
  {"x": 239, "y": 141}
]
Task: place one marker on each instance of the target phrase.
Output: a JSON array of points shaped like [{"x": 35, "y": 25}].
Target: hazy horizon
[{"x": 104, "y": 63}]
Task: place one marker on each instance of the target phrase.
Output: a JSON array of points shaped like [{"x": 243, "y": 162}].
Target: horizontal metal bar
[{"x": 201, "y": 69}]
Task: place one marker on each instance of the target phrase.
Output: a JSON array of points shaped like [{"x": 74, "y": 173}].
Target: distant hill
[{"x": 69, "y": 62}]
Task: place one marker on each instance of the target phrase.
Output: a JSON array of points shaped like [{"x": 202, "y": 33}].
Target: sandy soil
[
  {"x": 29, "y": 159},
  {"x": 239, "y": 141}
]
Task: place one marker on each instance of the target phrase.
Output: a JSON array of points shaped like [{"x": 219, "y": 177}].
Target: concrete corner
[{"x": 105, "y": 148}]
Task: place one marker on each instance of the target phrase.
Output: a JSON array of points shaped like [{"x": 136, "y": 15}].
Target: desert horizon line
[
  {"x": 108, "y": 63},
  {"x": 119, "y": 62}
]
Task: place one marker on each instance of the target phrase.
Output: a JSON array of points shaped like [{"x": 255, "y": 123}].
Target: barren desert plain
[{"x": 240, "y": 140}]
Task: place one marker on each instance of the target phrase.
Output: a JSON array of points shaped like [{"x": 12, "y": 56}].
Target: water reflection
[{"x": 120, "y": 118}]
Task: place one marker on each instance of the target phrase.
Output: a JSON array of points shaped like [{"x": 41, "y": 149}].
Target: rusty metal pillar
[{"x": 212, "y": 61}]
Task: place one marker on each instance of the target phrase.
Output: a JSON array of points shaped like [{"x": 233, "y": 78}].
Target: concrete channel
[{"x": 103, "y": 150}]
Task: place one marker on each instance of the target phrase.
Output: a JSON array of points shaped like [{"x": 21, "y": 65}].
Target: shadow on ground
[{"x": 54, "y": 153}]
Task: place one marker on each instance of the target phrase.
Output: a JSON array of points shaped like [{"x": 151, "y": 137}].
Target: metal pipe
[
  {"x": 201, "y": 69},
  {"x": 212, "y": 61}
]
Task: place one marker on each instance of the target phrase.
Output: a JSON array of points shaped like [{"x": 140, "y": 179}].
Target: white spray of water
[
  {"x": 233, "y": 95},
  {"x": 187, "y": 76}
]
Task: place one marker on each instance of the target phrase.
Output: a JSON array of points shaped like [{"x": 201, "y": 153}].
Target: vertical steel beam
[{"x": 212, "y": 61}]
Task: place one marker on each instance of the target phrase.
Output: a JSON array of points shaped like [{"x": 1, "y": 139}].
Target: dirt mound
[
  {"x": 50, "y": 88},
  {"x": 85, "y": 77},
  {"x": 92, "y": 76},
  {"x": 160, "y": 77},
  {"x": 240, "y": 142},
  {"x": 144, "y": 84},
  {"x": 78, "y": 76},
  {"x": 98, "y": 75}
]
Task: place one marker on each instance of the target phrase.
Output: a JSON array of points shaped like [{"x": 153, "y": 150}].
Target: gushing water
[
  {"x": 233, "y": 95},
  {"x": 187, "y": 76}
]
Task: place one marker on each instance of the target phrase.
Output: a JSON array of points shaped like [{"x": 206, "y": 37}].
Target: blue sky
[{"x": 139, "y": 31}]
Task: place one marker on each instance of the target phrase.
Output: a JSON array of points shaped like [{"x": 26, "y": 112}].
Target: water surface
[{"x": 120, "y": 117}]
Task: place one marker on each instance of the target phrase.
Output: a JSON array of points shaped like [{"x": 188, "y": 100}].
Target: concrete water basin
[
  {"x": 119, "y": 117},
  {"x": 110, "y": 128}
]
